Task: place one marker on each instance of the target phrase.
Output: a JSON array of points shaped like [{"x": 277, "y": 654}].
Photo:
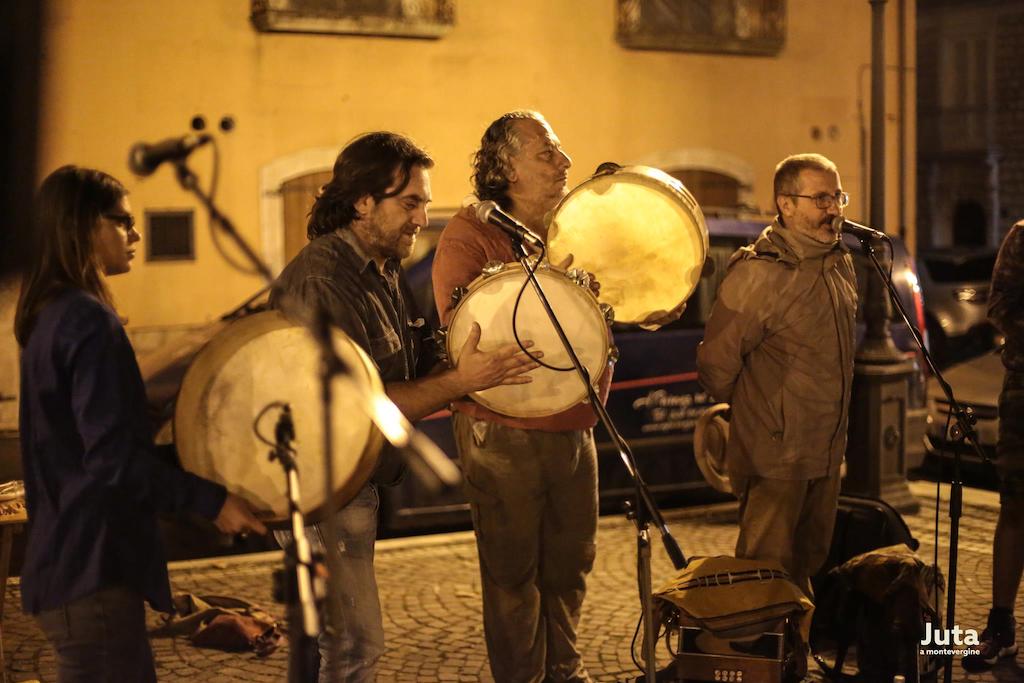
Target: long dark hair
[
  {"x": 367, "y": 166},
  {"x": 65, "y": 214}
]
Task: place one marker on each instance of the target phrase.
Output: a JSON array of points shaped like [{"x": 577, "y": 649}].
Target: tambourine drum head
[
  {"x": 257, "y": 360},
  {"x": 642, "y": 235},
  {"x": 710, "y": 440},
  {"x": 490, "y": 302}
]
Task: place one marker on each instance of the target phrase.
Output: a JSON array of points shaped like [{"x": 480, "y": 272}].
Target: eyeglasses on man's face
[
  {"x": 125, "y": 219},
  {"x": 823, "y": 200}
]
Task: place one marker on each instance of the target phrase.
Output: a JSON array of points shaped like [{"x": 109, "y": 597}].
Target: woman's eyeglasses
[{"x": 125, "y": 219}]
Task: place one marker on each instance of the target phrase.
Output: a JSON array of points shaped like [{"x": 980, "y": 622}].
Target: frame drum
[
  {"x": 490, "y": 300},
  {"x": 255, "y": 361},
  {"x": 641, "y": 233}
]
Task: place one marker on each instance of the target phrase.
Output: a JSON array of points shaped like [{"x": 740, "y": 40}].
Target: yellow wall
[{"x": 119, "y": 71}]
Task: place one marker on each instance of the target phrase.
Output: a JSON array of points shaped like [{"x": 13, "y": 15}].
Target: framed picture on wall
[
  {"x": 398, "y": 18},
  {"x": 746, "y": 27}
]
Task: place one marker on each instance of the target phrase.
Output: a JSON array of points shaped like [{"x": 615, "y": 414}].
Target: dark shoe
[{"x": 997, "y": 641}]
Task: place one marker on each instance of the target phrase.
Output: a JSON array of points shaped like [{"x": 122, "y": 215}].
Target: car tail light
[
  {"x": 915, "y": 287},
  {"x": 919, "y": 381}
]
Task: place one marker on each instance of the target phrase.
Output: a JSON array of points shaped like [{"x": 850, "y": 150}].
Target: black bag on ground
[
  {"x": 881, "y": 601},
  {"x": 864, "y": 524},
  {"x": 884, "y": 617}
]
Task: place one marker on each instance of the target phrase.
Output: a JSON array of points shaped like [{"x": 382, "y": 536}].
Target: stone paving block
[{"x": 430, "y": 594}]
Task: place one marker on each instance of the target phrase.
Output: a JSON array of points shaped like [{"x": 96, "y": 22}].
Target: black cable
[
  {"x": 892, "y": 257},
  {"x": 214, "y": 237},
  {"x": 663, "y": 629},
  {"x": 215, "y": 172},
  {"x": 515, "y": 315},
  {"x": 668, "y": 641},
  {"x": 259, "y": 416},
  {"x": 632, "y": 644}
]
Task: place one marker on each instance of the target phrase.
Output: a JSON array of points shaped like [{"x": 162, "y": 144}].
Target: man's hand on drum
[
  {"x": 594, "y": 285},
  {"x": 236, "y": 517},
  {"x": 478, "y": 370}
]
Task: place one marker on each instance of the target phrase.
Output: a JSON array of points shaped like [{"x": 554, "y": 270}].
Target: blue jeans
[
  {"x": 100, "y": 638},
  {"x": 361, "y": 635}
]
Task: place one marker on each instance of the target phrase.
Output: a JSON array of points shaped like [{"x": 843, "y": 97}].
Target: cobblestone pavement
[{"x": 430, "y": 592}]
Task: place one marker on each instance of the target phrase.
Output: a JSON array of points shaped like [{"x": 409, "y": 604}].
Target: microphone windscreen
[
  {"x": 484, "y": 209},
  {"x": 137, "y": 162}
]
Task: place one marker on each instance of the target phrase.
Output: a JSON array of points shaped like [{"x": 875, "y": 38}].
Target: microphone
[
  {"x": 490, "y": 212},
  {"x": 425, "y": 458},
  {"x": 144, "y": 158},
  {"x": 861, "y": 232}
]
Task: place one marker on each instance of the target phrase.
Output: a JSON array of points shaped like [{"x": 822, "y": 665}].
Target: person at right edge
[
  {"x": 778, "y": 346},
  {"x": 1006, "y": 312}
]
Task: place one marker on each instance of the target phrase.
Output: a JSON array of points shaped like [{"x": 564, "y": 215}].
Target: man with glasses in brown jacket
[{"x": 778, "y": 347}]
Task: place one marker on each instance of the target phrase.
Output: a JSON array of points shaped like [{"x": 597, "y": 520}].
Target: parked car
[
  {"x": 976, "y": 384},
  {"x": 955, "y": 285},
  {"x": 655, "y": 398}
]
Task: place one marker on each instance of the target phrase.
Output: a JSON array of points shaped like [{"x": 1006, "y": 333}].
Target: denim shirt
[
  {"x": 373, "y": 307},
  {"x": 93, "y": 483}
]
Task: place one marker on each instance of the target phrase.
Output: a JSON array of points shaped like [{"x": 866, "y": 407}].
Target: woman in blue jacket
[{"x": 93, "y": 484}]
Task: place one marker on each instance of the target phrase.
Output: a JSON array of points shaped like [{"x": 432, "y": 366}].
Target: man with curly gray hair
[
  {"x": 531, "y": 482},
  {"x": 492, "y": 163}
]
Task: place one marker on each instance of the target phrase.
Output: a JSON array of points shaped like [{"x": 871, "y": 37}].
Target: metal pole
[
  {"x": 901, "y": 130},
  {"x": 878, "y": 113},
  {"x": 876, "y": 448},
  {"x": 877, "y": 346}
]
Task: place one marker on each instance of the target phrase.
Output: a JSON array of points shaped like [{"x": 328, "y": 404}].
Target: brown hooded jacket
[{"x": 778, "y": 347}]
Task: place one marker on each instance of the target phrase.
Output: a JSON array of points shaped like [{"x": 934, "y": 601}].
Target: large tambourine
[
  {"x": 490, "y": 300},
  {"x": 251, "y": 363},
  {"x": 641, "y": 233}
]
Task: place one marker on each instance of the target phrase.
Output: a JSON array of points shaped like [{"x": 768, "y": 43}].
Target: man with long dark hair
[
  {"x": 93, "y": 484},
  {"x": 531, "y": 482},
  {"x": 363, "y": 223}
]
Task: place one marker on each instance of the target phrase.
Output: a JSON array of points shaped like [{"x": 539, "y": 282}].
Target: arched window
[
  {"x": 711, "y": 189},
  {"x": 719, "y": 181},
  {"x": 288, "y": 186},
  {"x": 969, "y": 224}
]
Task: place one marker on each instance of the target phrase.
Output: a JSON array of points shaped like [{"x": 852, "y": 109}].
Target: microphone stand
[
  {"x": 643, "y": 511},
  {"x": 962, "y": 431},
  {"x": 302, "y": 591}
]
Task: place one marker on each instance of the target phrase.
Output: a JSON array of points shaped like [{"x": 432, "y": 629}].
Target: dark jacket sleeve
[
  {"x": 108, "y": 406},
  {"x": 734, "y": 328},
  {"x": 1006, "y": 297}
]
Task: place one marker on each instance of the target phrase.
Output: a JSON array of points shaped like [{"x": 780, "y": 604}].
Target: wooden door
[{"x": 297, "y": 197}]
